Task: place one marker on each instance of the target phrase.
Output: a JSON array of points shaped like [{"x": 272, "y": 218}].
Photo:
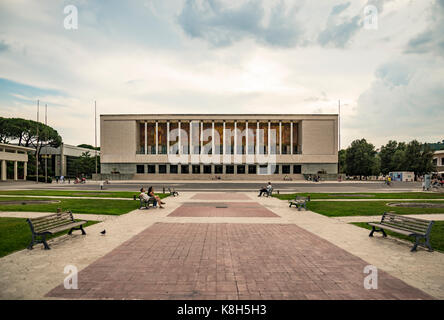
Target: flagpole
[
  {"x": 95, "y": 131},
  {"x": 37, "y": 146},
  {"x": 46, "y": 137}
]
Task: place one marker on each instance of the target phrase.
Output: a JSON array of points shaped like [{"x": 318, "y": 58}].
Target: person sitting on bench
[
  {"x": 265, "y": 190},
  {"x": 151, "y": 194},
  {"x": 146, "y": 197}
]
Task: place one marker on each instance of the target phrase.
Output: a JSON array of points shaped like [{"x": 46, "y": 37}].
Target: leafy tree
[
  {"x": 386, "y": 156},
  {"x": 88, "y": 146},
  {"x": 360, "y": 158},
  {"x": 85, "y": 164},
  {"x": 341, "y": 159},
  {"x": 28, "y": 133}
]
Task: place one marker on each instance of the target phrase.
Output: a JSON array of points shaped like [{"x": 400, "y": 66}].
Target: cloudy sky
[{"x": 223, "y": 56}]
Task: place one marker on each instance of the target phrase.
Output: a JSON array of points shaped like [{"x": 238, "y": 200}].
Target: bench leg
[
  {"x": 427, "y": 243},
  {"x": 32, "y": 242},
  {"x": 79, "y": 228},
  {"x": 415, "y": 245},
  {"x": 45, "y": 244}
]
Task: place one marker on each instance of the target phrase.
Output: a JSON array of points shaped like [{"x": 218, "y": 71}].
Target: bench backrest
[
  {"x": 301, "y": 198},
  {"x": 416, "y": 225},
  {"x": 41, "y": 224}
]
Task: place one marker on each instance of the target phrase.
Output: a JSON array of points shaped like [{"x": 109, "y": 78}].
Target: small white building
[
  {"x": 402, "y": 176},
  {"x": 14, "y": 154}
]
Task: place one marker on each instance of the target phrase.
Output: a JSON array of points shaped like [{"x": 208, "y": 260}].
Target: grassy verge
[
  {"x": 363, "y": 195},
  {"x": 73, "y": 193},
  {"x": 92, "y": 206},
  {"x": 15, "y": 234},
  {"x": 364, "y": 208},
  {"x": 436, "y": 236}
]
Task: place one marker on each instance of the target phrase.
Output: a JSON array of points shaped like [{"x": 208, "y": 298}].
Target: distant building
[
  {"x": 437, "y": 146},
  {"x": 15, "y": 156},
  {"x": 60, "y": 159},
  {"x": 438, "y": 161},
  {"x": 402, "y": 176},
  {"x": 229, "y": 146}
]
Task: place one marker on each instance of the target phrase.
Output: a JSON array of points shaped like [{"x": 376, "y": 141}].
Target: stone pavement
[{"x": 294, "y": 255}]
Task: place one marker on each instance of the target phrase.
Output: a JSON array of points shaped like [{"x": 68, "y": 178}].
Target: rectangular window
[
  {"x": 141, "y": 149},
  {"x": 185, "y": 137},
  {"x": 196, "y": 168},
  {"x": 229, "y": 137},
  {"x": 218, "y": 169},
  {"x": 240, "y": 169},
  {"x": 140, "y": 168},
  {"x": 252, "y": 169},
  {"x": 297, "y": 168},
  {"x": 275, "y": 168},
  {"x": 229, "y": 169},
  {"x": 151, "y": 137},
  {"x": 195, "y": 136},
  {"x": 295, "y": 138},
  {"x": 274, "y": 137},
  {"x": 241, "y": 138},
  {"x": 218, "y": 137},
  {"x": 285, "y": 169},
  {"x": 207, "y": 169},
  {"x": 151, "y": 168},
  {"x": 162, "y": 168},
  {"x": 252, "y": 128},
  {"x": 162, "y": 137},
  {"x": 286, "y": 138},
  {"x": 185, "y": 169},
  {"x": 442, "y": 161},
  {"x": 173, "y": 168},
  {"x": 263, "y": 169},
  {"x": 207, "y": 138},
  {"x": 174, "y": 138}
]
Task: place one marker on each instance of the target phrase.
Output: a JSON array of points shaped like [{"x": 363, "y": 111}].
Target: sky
[{"x": 383, "y": 59}]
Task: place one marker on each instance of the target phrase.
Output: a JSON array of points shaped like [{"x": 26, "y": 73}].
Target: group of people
[{"x": 150, "y": 194}]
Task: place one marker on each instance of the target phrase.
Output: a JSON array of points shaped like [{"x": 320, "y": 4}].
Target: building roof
[{"x": 15, "y": 147}]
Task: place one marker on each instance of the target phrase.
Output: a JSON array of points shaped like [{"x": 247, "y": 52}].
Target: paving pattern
[
  {"x": 231, "y": 261},
  {"x": 222, "y": 209},
  {"x": 218, "y": 196}
]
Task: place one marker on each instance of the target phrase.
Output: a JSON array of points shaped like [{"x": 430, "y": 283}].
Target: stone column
[
  {"x": 168, "y": 138},
  {"x": 269, "y": 138},
  {"x": 291, "y": 137},
  {"x": 15, "y": 171},
  {"x": 179, "y": 144},
  {"x": 25, "y": 170},
  {"x": 257, "y": 137},
  {"x": 3, "y": 170},
  {"x": 157, "y": 137},
  {"x": 146, "y": 137},
  {"x": 235, "y": 139},
  {"x": 280, "y": 137},
  {"x": 213, "y": 152},
  {"x": 246, "y": 137}
]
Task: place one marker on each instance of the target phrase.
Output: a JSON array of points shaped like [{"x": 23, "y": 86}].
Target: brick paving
[
  {"x": 230, "y": 261},
  {"x": 222, "y": 209},
  {"x": 220, "y": 196}
]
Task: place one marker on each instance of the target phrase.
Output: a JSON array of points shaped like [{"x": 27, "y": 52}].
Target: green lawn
[
  {"x": 436, "y": 236},
  {"x": 93, "y": 206},
  {"x": 364, "y": 208},
  {"x": 363, "y": 195},
  {"x": 15, "y": 234},
  {"x": 75, "y": 193}
]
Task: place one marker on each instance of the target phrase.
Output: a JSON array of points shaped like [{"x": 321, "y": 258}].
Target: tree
[
  {"x": 360, "y": 158},
  {"x": 28, "y": 133},
  {"x": 386, "y": 156},
  {"x": 85, "y": 164},
  {"x": 341, "y": 159},
  {"x": 88, "y": 146},
  {"x": 418, "y": 158}
]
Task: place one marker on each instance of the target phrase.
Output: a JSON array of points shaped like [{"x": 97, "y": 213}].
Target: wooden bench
[
  {"x": 41, "y": 227},
  {"x": 408, "y": 226},
  {"x": 146, "y": 204},
  {"x": 173, "y": 192},
  {"x": 299, "y": 202}
]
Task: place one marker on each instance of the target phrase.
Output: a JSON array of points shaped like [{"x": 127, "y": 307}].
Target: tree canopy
[{"x": 24, "y": 132}]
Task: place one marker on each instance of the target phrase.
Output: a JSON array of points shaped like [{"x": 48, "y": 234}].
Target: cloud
[
  {"x": 404, "y": 102},
  {"x": 339, "y": 8},
  {"x": 222, "y": 26},
  {"x": 3, "y": 46},
  {"x": 432, "y": 39}
]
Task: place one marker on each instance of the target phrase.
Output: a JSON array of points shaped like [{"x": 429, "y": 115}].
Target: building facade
[
  {"x": 229, "y": 146},
  {"x": 15, "y": 156},
  {"x": 60, "y": 159},
  {"x": 438, "y": 161}
]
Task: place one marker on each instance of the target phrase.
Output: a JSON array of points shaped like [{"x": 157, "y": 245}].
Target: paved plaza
[{"x": 235, "y": 246}]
